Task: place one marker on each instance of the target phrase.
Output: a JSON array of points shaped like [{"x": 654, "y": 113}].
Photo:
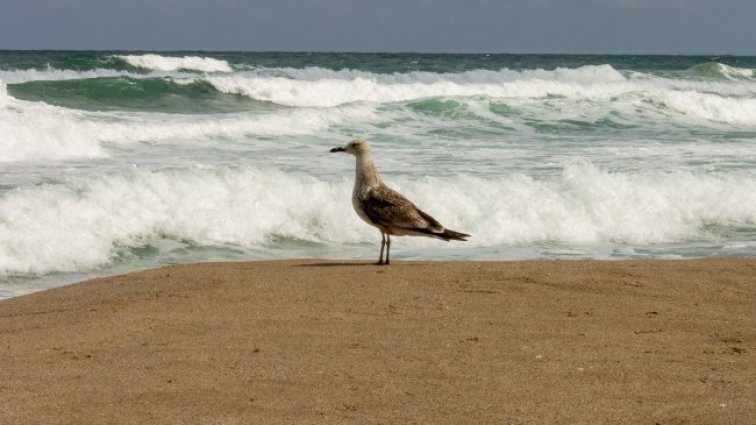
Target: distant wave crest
[
  {"x": 325, "y": 88},
  {"x": 720, "y": 70},
  {"x": 172, "y": 63}
]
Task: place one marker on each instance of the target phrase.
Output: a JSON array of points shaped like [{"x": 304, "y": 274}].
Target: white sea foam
[
  {"x": 588, "y": 73},
  {"x": 25, "y": 75},
  {"x": 83, "y": 222},
  {"x": 735, "y": 73},
  {"x": 170, "y": 128},
  {"x": 325, "y": 88},
  {"x": 727, "y": 102},
  {"x": 171, "y": 63},
  {"x": 36, "y": 131},
  {"x": 3, "y": 93},
  {"x": 33, "y": 131},
  {"x": 712, "y": 107},
  {"x": 588, "y": 205}
]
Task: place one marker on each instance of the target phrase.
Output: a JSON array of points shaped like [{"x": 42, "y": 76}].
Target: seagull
[{"x": 388, "y": 210}]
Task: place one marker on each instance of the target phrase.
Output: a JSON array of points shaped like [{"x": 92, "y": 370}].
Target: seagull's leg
[
  {"x": 383, "y": 244},
  {"x": 388, "y": 248}
]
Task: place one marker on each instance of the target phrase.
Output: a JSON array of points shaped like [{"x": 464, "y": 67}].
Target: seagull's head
[{"x": 355, "y": 147}]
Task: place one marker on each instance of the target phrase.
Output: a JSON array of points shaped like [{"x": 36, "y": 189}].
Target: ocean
[{"x": 119, "y": 161}]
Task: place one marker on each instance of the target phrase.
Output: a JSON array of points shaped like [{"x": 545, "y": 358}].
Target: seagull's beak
[{"x": 339, "y": 149}]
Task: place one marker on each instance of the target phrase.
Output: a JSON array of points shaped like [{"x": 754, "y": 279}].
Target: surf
[
  {"x": 111, "y": 163},
  {"x": 84, "y": 222}
]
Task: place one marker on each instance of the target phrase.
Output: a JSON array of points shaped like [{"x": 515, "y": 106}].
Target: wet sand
[{"x": 305, "y": 342}]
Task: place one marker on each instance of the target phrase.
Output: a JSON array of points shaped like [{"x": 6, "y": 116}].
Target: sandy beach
[{"x": 304, "y": 342}]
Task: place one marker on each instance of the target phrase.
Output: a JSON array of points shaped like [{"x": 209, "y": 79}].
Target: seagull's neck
[{"x": 366, "y": 173}]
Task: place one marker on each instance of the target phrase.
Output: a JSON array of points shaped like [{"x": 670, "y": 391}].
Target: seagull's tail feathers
[
  {"x": 435, "y": 229},
  {"x": 449, "y": 235}
]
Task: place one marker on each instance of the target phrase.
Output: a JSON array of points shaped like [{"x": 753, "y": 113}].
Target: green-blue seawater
[{"x": 116, "y": 161}]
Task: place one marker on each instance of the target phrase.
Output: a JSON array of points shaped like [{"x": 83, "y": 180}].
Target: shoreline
[{"x": 457, "y": 342}]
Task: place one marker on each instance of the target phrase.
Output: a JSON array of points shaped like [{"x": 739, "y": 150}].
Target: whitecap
[{"x": 173, "y": 63}]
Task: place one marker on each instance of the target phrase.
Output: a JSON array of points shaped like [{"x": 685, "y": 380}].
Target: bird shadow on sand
[
  {"x": 335, "y": 264},
  {"x": 363, "y": 264}
]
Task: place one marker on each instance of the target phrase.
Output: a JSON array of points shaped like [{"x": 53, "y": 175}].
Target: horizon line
[{"x": 376, "y": 52}]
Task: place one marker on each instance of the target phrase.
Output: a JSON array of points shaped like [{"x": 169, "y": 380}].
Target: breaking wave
[
  {"x": 81, "y": 223},
  {"x": 168, "y": 95},
  {"x": 172, "y": 63},
  {"x": 731, "y": 103},
  {"x": 34, "y": 131},
  {"x": 720, "y": 70}
]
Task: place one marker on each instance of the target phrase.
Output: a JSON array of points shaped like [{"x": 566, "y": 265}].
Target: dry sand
[{"x": 309, "y": 342}]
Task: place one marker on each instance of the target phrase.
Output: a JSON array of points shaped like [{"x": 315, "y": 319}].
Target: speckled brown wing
[{"x": 388, "y": 208}]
